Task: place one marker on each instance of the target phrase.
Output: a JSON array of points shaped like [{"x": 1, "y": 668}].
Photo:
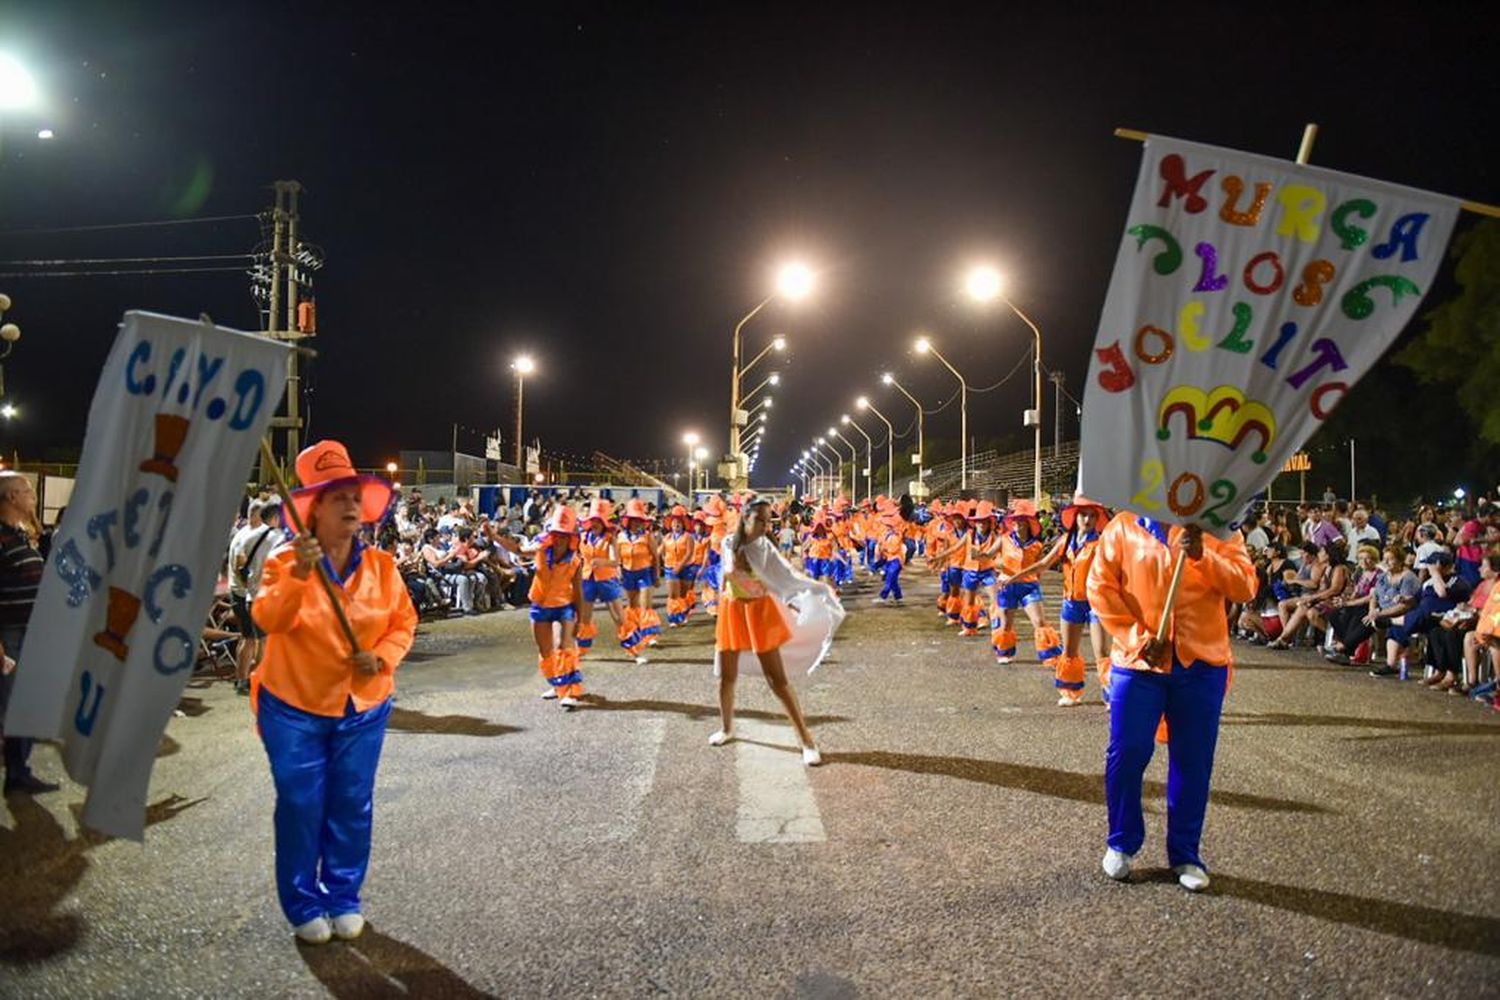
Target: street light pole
[
  {"x": 523, "y": 366},
  {"x": 864, "y": 403},
  {"x": 734, "y": 391},
  {"x": 923, "y": 346},
  {"x": 890, "y": 379},
  {"x": 853, "y": 463},
  {"x": 837, "y": 463},
  {"x": 869, "y": 448},
  {"x": 1036, "y": 396}
]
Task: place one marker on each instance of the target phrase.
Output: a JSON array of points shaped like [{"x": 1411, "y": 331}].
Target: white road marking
[
  {"x": 636, "y": 783},
  {"x": 776, "y": 800}
]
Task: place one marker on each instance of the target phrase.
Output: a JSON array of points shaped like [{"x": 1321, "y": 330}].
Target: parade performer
[
  {"x": 702, "y": 541},
  {"x": 817, "y": 551},
  {"x": 601, "y": 579},
  {"x": 676, "y": 558},
  {"x": 758, "y": 583},
  {"x": 1019, "y": 586},
  {"x": 710, "y": 576},
  {"x": 556, "y": 591},
  {"x": 1075, "y": 550},
  {"x": 940, "y": 541},
  {"x": 1180, "y": 673},
  {"x": 321, "y": 706},
  {"x": 890, "y": 556},
  {"x": 637, "y": 550},
  {"x": 983, "y": 545}
]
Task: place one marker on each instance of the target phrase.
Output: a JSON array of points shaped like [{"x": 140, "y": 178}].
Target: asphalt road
[{"x": 950, "y": 846}]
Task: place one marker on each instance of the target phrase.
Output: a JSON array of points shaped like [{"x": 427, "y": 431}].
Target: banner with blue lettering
[
  {"x": 1249, "y": 294},
  {"x": 176, "y": 421}
]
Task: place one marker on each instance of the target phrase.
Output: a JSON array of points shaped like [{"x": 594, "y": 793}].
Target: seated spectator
[
  {"x": 471, "y": 558},
  {"x": 1468, "y": 553},
  {"x": 1330, "y": 575},
  {"x": 1449, "y": 645},
  {"x": 1395, "y": 592},
  {"x": 1361, "y": 532},
  {"x": 1443, "y": 590},
  {"x": 424, "y": 595},
  {"x": 435, "y": 552}
]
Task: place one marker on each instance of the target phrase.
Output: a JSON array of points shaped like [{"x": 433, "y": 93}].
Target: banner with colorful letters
[
  {"x": 177, "y": 419},
  {"x": 1249, "y": 294}
]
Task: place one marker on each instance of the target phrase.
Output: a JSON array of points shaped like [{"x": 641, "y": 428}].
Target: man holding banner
[{"x": 1248, "y": 295}]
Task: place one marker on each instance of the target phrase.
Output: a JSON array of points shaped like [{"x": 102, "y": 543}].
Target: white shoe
[
  {"x": 1003, "y": 660},
  {"x": 1066, "y": 702},
  {"x": 315, "y": 931},
  {"x": 1191, "y": 877},
  {"x": 641, "y": 661},
  {"x": 550, "y": 694},
  {"x": 1117, "y": 864},
  {"x": 811, "y": 757},
  {"x": 348, "y": 926},
  {"x": 569, "y": 703},
  {"x": 878, "y": 600},
  {"x": 720, "y": 737}
]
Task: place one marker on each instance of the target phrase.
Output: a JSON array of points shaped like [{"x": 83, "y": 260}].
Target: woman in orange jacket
[
  {"x": 890, "y": 555},
  {"x": 1178, "y": 669},
  {"x": 676, "y": 559},
  {"x": 556, "y": 591},
  {"x": 818, "y": 551},
  {"x": 945, "y": 556},
  {"x": 983, "y": 546},
  {"x": 601, "y": 579},
  {"x": 321, "y": 707},
  {"x": 637, "y": 546},
  {"x": 1019, "y": 586}
]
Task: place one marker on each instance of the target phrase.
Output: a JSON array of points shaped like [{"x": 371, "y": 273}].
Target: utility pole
[
  {"x": 1057, "y": 383},
  {"x": 281, "y": 315}
]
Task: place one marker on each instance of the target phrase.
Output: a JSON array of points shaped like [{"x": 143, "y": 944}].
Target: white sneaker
[
  {"x": 811, "y": 757},
  {"x": 315, "y": 931},
  {"x": 1003, "y": 660},
  {"x": 1191, "y": 877},
  {"x": 1117, "y": 864},
  {"x": 1066, "y": 702},
  {"x": 720, "y": 737},
  {"x": 348, "y": 926},
  {"x": 641, "y": 661},
  {"x": 878, "y": 600},
  {"x": 550, "y": 694},
  {"x": 569, "y": 703}
]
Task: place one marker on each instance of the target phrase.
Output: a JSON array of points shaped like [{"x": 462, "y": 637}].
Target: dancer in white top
[{"x": 757, "y": 585}]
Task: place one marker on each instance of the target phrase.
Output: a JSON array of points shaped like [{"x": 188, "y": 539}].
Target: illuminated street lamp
[
  {"x": 890, "y": 380},
  {"x": 700, "y": 453},
  {"x": 864, "y": 403},
  {"x": 837, "y": 465},
  {"x": 985, "y": 284},
  {"x": 690, "y": 439},
  {"x": 869, "y": 446},
  {"x": 923, "y": 345},
  {"x": 523, "y": 365},
  {"x": 794, "y": 282},
  {"x": 778, "y": 344},
  {"x": 18, "y": 88},
  {"x": 772, "y": 379}
]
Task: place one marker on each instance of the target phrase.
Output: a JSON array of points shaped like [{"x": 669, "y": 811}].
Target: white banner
[
  {"x": 1249, "y": 294},
  {"x": 176, "y": 420}
]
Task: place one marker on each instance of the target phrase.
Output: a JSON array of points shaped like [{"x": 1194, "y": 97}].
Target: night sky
[{"x": 610, "y": 186}]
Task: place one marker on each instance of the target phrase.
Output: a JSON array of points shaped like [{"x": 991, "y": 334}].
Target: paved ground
[{"x": 950, "y": 847}]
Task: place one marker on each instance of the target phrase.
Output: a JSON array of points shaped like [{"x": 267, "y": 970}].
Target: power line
[
  {"x": 991, "y": 388},
  {"x": 123, "y": 225},
  {"x": 65, "y": 262},
  {"x": 117, "y": 273}
]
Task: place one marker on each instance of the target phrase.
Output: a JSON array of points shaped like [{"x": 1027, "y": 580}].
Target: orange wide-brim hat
[
  {"x": 1024, "y": 510},
  {"x": 326, "y": 464},
  {"x": 1081, "y": 502},
  {"x": 635, "y": 509}
]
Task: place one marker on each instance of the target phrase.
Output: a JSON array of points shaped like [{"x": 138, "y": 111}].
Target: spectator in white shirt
[{"x": 1360, "y": 531}]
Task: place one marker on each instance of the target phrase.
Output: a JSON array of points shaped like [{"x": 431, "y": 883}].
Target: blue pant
[
  {"x": 17, "y": 748},
  {"x": 324, "y": 771},
  {"x": 892, "y": 586},
  {"x": 1191, "y": 700}
]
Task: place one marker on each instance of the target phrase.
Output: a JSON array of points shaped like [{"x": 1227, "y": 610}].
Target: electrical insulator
[{"x": 307, "y": 317}]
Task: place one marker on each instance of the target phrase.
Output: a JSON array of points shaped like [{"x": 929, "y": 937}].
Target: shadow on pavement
[
  {"x": 1459, "y": 931},
  {"x": 404, "y": 720},
  {"x": 377, "y": 965},
  {"x": 39, "y": 868},
  {"x": 1049, "y": 781},
  {"x": 695, "y": 712},
  {"x": 1393, "y": 726}
]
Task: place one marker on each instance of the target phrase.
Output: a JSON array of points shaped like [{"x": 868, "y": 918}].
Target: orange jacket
[
  {"x": 1015, "y": 554},
  {"x": 980, "y": 553},
  {"x": 307, "y": 654},
  {"x": 676, "y": 549},
  {"x": 635, "y": 550},
  {"x": 553, "y": 585},
  {"x": 1127, "y": 586},
  {"x": 597, "y": 546},
  {"x": 1078, "y": 556},
  {"x": 893, "y": 546},
  {"x": 820, "y": 547}
]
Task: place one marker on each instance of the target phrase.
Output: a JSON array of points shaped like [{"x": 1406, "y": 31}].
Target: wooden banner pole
[
  {"x": 291, "y": 510},
  {"x": 1477, "y": 207}
]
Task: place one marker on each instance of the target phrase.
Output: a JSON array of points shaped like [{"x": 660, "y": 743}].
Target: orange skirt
[{"x": 757, "y": 625}]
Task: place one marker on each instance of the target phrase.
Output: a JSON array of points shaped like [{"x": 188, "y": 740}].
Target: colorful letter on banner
[
  {"x": 177, "y": 418},
  {"x": 1249, "y": 294}
]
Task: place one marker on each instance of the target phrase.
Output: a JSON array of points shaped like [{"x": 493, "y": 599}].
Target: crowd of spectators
[{"x": 1403, "y": 596}]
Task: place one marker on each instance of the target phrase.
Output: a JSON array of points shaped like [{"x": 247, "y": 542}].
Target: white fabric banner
[
  {"x": 176, "y": 420},
  {"x": 1249, "y": 294}
]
